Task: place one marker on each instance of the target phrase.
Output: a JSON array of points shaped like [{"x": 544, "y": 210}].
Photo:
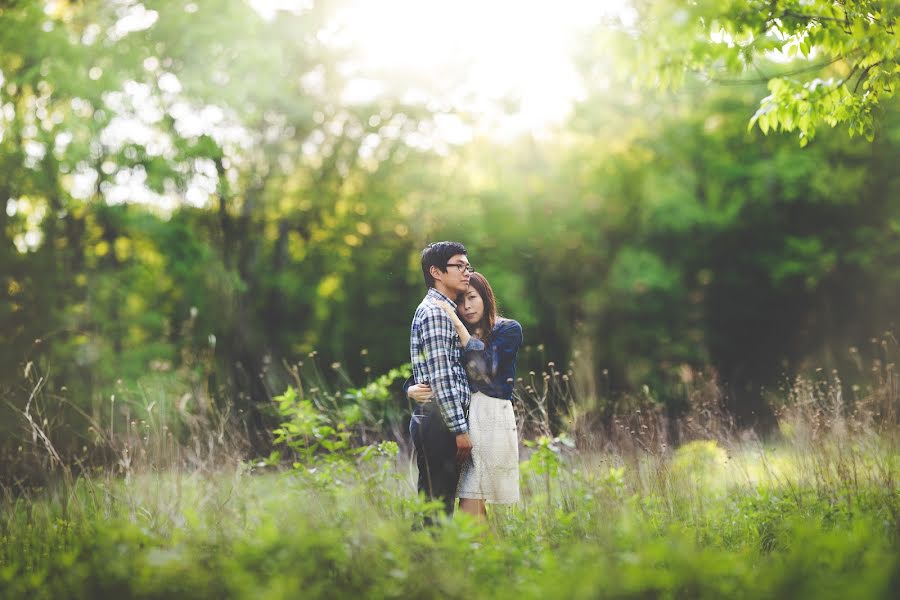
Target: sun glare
[{"x": 506, "y": 50}]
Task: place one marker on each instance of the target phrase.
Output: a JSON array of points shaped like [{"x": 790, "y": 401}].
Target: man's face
[{"x": 456, "y": 279}]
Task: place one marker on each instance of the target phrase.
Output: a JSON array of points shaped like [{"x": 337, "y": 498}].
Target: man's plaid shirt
[{"x": 435, "y": 353}]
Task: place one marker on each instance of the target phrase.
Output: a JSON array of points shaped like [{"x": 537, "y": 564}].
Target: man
[{"x": 438, "y": 428}]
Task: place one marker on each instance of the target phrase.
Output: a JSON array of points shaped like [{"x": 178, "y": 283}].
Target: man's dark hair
[{"x": 438, "y": 255}]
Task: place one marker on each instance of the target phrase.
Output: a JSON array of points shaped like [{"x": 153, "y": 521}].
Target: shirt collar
[{"x": 433, "y": 293}]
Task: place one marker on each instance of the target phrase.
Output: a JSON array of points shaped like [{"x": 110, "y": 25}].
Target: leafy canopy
[{"x": 825, "y": 61}]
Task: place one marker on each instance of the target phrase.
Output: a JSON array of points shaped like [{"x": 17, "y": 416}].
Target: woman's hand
[
  {"x": 420, "y": 392},
  {"x": 460, "y": 327},
  {"x": 444, "y": 306}
]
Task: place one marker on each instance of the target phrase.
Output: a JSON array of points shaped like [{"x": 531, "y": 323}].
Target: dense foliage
[
  {"x": 192, "y": 198},
  {"x": 210, "y": 220},
  {"x": 849, "y": 51}
]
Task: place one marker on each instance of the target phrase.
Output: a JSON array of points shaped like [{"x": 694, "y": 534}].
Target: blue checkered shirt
[{"x": 435, "y": 352}]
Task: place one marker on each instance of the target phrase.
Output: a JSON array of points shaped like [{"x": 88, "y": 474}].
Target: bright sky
[
  {"x": 506, "y": 49},
  {"x": 514, "y": 48}
]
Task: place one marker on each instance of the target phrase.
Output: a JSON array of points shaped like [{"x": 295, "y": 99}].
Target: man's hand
[{"x": 463, "y": 447}]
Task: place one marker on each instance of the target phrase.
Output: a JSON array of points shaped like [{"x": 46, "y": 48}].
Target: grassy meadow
[
  {"x": 617, "y": 512},
  {"x": 212, "y": 214}
]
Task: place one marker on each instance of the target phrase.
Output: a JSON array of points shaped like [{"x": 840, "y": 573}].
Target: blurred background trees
[{"x": 199, "y": 195}]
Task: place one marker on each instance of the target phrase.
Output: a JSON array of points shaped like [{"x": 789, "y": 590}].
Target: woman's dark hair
[
  {"x": 489, "y": 318},
  {"x": 438, "y": 255}
]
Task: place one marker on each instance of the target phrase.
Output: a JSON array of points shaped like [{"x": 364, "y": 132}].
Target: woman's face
[{"x": 471, "y": 309}]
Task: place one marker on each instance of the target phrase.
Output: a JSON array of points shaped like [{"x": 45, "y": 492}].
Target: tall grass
[{"x": 166, "y": 500}]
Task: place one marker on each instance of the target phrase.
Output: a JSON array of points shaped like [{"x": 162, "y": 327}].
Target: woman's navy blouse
[{"x": 491, "y": 368}]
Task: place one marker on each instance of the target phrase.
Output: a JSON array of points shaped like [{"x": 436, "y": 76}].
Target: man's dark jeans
[{"x": 435, "y": 455}]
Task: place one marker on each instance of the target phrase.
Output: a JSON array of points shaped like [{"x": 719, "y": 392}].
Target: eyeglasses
[{"x": 462, "y": 267}]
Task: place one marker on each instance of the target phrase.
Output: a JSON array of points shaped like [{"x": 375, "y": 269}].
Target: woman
[{"x": 492, "y": 473}]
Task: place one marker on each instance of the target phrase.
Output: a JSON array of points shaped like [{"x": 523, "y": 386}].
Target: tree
[{"x": 826, "y": 62}]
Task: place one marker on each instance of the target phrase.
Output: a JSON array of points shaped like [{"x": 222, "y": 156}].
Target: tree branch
[
  {"x": 863, "y": 75},
  {"x": 785, "y": 74}
]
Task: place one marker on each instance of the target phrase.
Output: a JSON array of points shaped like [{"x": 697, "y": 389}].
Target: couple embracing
[{"x": 464, "y": 362}]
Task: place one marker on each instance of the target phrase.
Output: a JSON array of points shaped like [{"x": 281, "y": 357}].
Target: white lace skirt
[{"x": 492, "y": 474}]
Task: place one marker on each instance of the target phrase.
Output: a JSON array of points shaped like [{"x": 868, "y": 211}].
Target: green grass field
[{"x": 799, "y": 520}]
